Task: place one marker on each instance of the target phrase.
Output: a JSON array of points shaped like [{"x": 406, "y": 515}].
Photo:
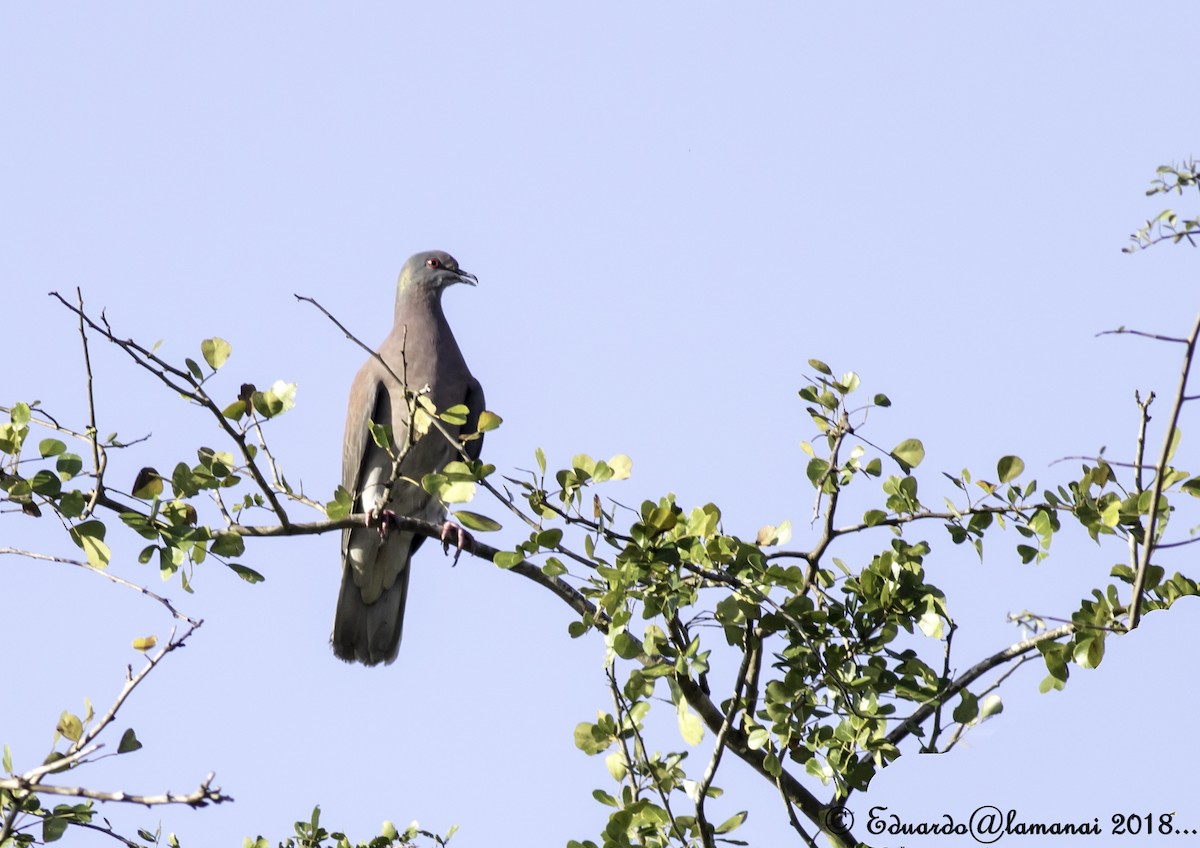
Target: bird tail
[{"x": 369, "y": 633}]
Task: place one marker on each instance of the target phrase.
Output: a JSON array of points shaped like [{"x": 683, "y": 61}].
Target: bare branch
[
  {"x": 1152, "y": 523},
  {"x": 971, "y": 675},
  {"x": 1123, "y": 331},
  {"x": 187, "y": 385},
  {"x": 106, "y": 575},
  {"x": 203, "y": 796},
  {"x": 99, "y": 458}
]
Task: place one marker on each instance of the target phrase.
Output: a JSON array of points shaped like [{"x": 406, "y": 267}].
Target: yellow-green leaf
[
  {"x": 475, "y": 521},
  {"x": 456, "y": 415},
  {"x": 148, "y": 484},
  {"x": 70, "y": 726},
  {"x": 489, "y": 421},
  {"x": 89, "y": 535},
  {"x": 931, "y": 624},
  {"x": 909, "y": 453},
  {"x": 1009, "y": 468},
  {"x": 690, "y": 725},
  {"x": 215, "y": 350},
  {"x": 622, "y": 467}
]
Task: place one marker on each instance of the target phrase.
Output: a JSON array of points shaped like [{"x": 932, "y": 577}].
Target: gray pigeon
[{"x": 375, "y": 561}]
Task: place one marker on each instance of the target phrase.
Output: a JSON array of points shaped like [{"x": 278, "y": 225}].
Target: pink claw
[
  {"x": 462, "y": 537},
  {"x": 386, "y": 519}
]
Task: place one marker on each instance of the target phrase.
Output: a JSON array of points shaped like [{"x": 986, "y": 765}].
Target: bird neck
[
  {"x": 411, "y": 303},
  {"x": 422, "y": 325}
]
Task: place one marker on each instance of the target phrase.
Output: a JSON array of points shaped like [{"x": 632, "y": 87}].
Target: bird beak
[{"x": 466, "y": 277}]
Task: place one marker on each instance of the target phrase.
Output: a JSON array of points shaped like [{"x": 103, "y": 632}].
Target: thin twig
[
  {"x": 971, "y": 675},
  {"x": 1007, "y": 673},
  {"x": 106, "y": 575},
  {"x": 1122, "y": 331},
  {"x": 203, "y": 796},
  {"x": 1148, "y": 540},
  {"x": 131, "y": 683},
  {"x": 710, "y": 772},
  {"x": 188, "y": 386},
  {"x": 99, "y": 458}
]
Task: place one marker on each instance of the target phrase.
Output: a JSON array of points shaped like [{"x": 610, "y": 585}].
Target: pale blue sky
[{"x": 670, "y": 206}]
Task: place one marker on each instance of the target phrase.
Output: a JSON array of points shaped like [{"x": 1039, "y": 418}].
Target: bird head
[{"x": 432, "y": 271}]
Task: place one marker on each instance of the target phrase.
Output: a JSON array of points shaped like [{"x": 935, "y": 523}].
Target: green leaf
[
  {"x": 550, "y": 538},
  {"x": 507, "y": 559},
  {"x": 590, "y": 739},
  {"x": 622, "y": 467},
  {"x": 1009, "y": 468},
  {"x": 129, "y": 742},
  {"x": 604, "y": 798},
  {"x": 732, "y": 823},
  {"x": 215, "y": 351},
  {"x": 475, "y": 521},
  {"x": 7, "y": 761},
  {"x": 690, "y": 725},
  {"x": 53, "y": 828},
  {"x": 931, "y": 624},
  {"x": 89, "y": 535},
  {"x": 456, "y": 415},
  {"x": 540, "y": 456},
  {"x": 235, "y": 410},
  {"x": 967, "y": 709},
  {"x": 341, "y": 504},
  {"x": 757, "y": 738},
  {"x": 820, "y": 366},
  {"x": 816, "y": 470},
  {"x": 228, "y": 545},
  {"x": 488, "y": 421},
  {"x": 194, "y": 368},
  {"x": 68, "y": 465},
  {"x": 46, "y": 483},
  {"x": 277, "y": 400},
  {"x": 51, "y": 447},
  {"x": 148, "y": 484},
  {"x": 625, "y": 645},
  {"x": 248, "y": 574},
  {"x": 991, "y": 705},
  {"x": 770, "y": 535},
  {"x": 616, "y": 765},
  {"x": 70, "y": 726},
  {"x": 450, "y": 487},
  {"x": 909, "y": 454},
  {"x": 583, "y": 462}
]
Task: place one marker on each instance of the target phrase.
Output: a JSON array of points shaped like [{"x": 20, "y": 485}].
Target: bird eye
[{"x": 433, "y": 262}]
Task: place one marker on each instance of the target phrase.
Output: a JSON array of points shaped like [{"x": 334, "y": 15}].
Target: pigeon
[{"x": 376, "y": 560}]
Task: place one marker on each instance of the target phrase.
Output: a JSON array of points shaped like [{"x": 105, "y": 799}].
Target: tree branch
[
  {"x": 190, "y": 388},
  {"x": 1164, "y": 457},
  {"x": 203, "y": 796},
  {"x": 970, "y": 676}
]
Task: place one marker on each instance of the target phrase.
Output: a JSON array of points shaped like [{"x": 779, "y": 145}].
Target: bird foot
[
  {"x": 461, "y": 535},
  {"x": 386, "y": 519}
]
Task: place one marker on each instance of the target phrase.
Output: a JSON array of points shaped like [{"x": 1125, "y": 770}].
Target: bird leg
[
  {"x": 386, "y": 519},
  {"x": 462, "y": 536}
]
